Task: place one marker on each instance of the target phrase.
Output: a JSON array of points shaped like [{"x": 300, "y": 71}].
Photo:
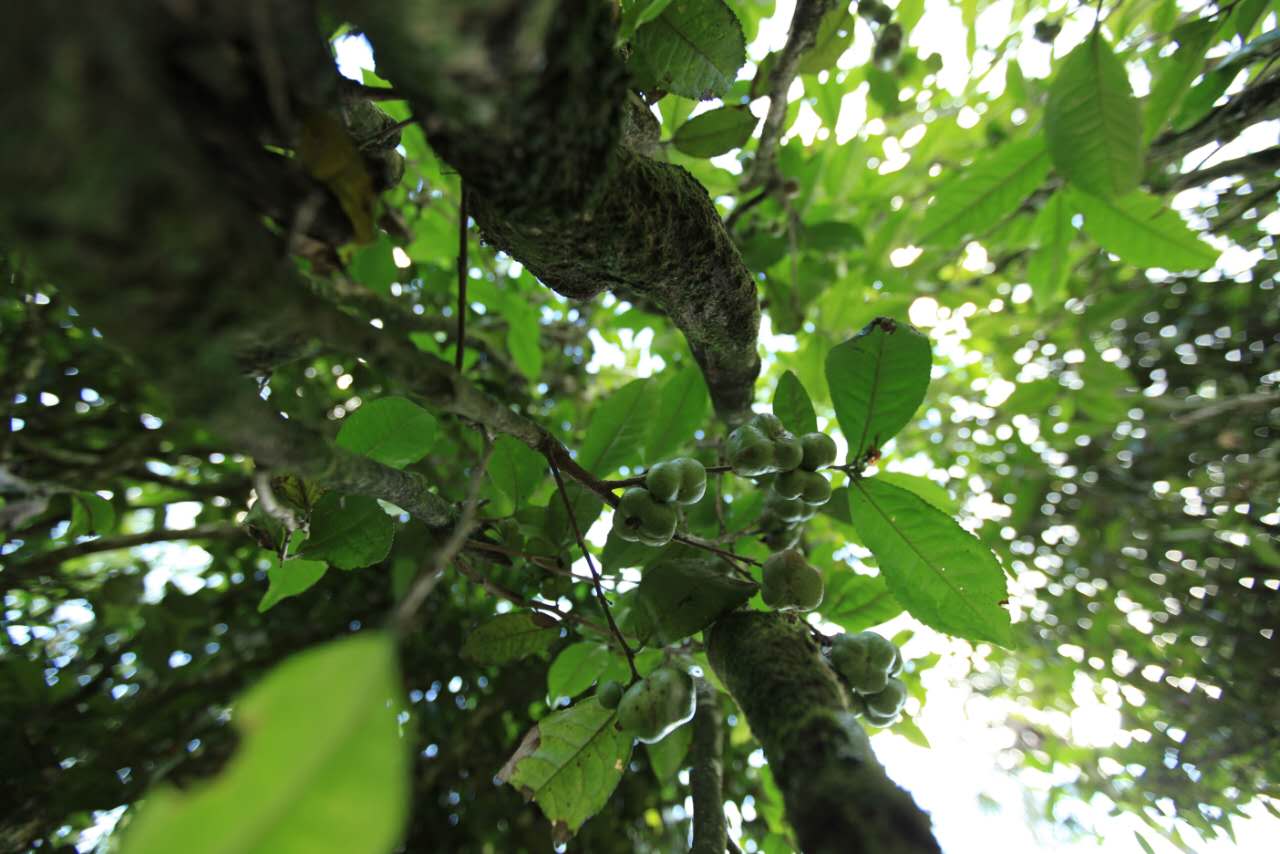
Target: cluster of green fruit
[
  {"x": 652, "y": 707},
  {"x": 647, "y": 514},
  {"x": 869, "y": 664},
  {"x": 790, "y": 582}
]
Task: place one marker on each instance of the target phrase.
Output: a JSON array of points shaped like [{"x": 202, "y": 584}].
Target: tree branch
[
  {"x": 706, "y": 777},
  {"x": 38, "y": 563},
  {"x": 1265, "y": 162},
  {"x": 1258, "y": 103}
]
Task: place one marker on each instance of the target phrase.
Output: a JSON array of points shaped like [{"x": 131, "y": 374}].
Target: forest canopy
[{"x": 608, "y": 425}]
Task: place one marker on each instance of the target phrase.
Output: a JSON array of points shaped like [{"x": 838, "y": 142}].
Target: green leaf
[
  {"x": 90, "y": 514},
  {"x": 923, "y": 487},
  {"x": 510, "y": 637},
  {"x": 1143, "y": 231},
  {"x": 985, "y": 193},
  {"x": 877, "y": 380},
  {"x": 792, "y": 405},
  {"x": 681, "y": 596},
  {"x": 290, "y": 578},
  {"x": 1051, "y": 263},
  {"x": 621, "y": 554},
  {"x": 348, "y": 531},
  {"x": 374, "y": 266},
  {"x": 910, "y": 730},
  {"x": 570, "y": 763},
  {"x": 524, "y": 337},
  {"x": 940, "y": 572},
  {"x": 835, "y": 36},
  {"x": 856, "y": 602},
  {"x": 666, "y": 757},
  {"x": 321, "y": 765},
  {"x": 576, "y": 668},
  {"x": 682, "y": 408},
  {"x": 1092, "y": 121},
  {"x": 715, "y": 132},
  {"x": 636, "y": 13},
  {"x": 392, "y": 430},
  {"x": 516, "y": 469},
  {"x": 617, "y": 430},
  {"x": 1174, "y": 75},
  {"x": 586, "y": 505},
  {"x": 694, "y": 48},
  {"x": 832, "y": 236}
]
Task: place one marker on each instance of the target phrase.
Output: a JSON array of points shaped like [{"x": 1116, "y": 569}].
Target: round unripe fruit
[
  {"x": 787, "y": 452},
  {"x": 786, "y": 509},
  {"x": 887, "y": 703},
  {"x": 819, "y": 450},
  {"x": 640, "y": 519},
  {"x": 749, "y": 451},
  {"x": 790, "y": 583},
  {"x": 768, "y": 424},
  {"x": 863, "y": 660},
  {"x": 790, "y": 484},
  {"x": 876, "y": 719},
  {"x": 663, "y": 481},
  {"x": 816, "y": 490},
  {"x": 693, "y": 480},
  {"x": 657, "y": 704},
  {"x": 610, "y": 694}
]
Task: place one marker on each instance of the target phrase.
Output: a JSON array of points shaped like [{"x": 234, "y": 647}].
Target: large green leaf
[
  {"x": 392, "y": 430},
  {"x": 617, "y": 429},
  {"x": 985, "y": 193},
  {"x": 515, "y": 469},
  {"x": 928, "y": 490},
  {"x": 90, "y": 514},
  {"x": 792, "y": 405},
  {"x": 290, "y": 578},
  {"x": 1051, "y": 263},
  {"x": 1173, "y": 76},
  {"x": 681, "y": 596},
  {"x": 694, "y": 48},
  {"x": 321, "y": 765},
  {"x": 1143, "y": 231},
  {"x": 620, "y": 554},
  {"x": 510, "y": 637},
  {"x": 374, "y": 266},
  {"x": 715, "y": 132},
  {"x": 940, "y": 572},
  {"x": 524, "y": 337},
  {"x": 682, "y": 408},
  {"x": 576, "y": 668},
  {"x": 877, "y": 380},
  {"x": 666, "y": 757},
  {"x": 570, "y": 763},
  {"x": 1092, "y": 121},
  {"x": 348, "y": 531},
  {"x": 856, "y": 602}
]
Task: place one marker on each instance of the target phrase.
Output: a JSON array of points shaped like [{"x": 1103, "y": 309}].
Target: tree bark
[{"x": 838, "y": 798}]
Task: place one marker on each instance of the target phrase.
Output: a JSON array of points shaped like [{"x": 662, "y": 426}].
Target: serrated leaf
[
  {"x": 1173, "y": 76},
  {"x": 694, "y": 48},
  {"x": 835, "y": 36},
  {"x": 1051, "y": 263},
  {"x": 576, "y": 668},
  {"x": 666, "y": 757},
  {"x": 683, "y": 405},
  {"x": 617, "y": 430},
  {"x": 570, "y": 763},
  {"x": 715, "y": 132},
  {"x": 510, "y": 637},
  {"x": 321, "y": 765},
  {"x": 986, "y": 192},
  {"x": 940, "y": 572},
  {"x": 394, "y": 431},
  {"x": 1092, "y": 121},
  {"x": 515, "y": 469},
  {"x": 290, "y": 578},
  {"x": 856, "y": 602},
  {"x": 348, "y": 531},
  {"x": 681, "y": 596},
  {"x": 90, "y": 514},
  {"x": 792, "y": 405},
  {"x": 1143, "y": 231},
  {"x": 877, "y": 380}
]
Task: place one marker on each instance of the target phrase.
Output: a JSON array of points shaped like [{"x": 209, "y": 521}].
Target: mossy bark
[{"x": 837, "y": 795}]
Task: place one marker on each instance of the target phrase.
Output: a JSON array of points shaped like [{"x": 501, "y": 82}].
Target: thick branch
[
  {"x": 706, "y": 777},
  {"x": 1258, "y": 103},
  {"x": 1265, "y": 162},
  {"x": 42, "y": 561},
  {"x": 837, "y": 796},
  {"x": 803, "y": 34}
]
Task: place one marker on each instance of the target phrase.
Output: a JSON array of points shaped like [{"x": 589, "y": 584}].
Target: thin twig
[
  {"x": 595, "y": 576},
  {"x": 736, "y": 214},
  {"x": 273, "y": 508},
  {"x": 705, "y": 545},
  {"x": 54, "y": 557},
  {"x": 462, "y": 276},
  {"x": 386, "y": 133},
  {"x": 501, "y": 592}
]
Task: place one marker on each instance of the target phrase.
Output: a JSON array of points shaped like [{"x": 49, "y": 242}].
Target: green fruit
[
  {"x": 749, "y": 451},
  {"x": 640, "y": 519},
  {"x": 663, "y": 481},
  {"x": 876, "y": 719},
  {"x": 887, "y": 703},
  {"x": 816, "y": 489},
  {"x": 790, "y": 484},
  {"x": 693, "y": 480},
  {"x": 657, "y": 704},
  {"x": 785, "y": 509},
  {"x": 787, "y": 452},
  {"x": 790, "y": 583},
  {"x": 768, "y": 424},
  {"x": 780, "y": 538},
  {"x": 863, "y": 660},
  {"x": 819, "y": 451},
  {"x": 610, "y": 694}
]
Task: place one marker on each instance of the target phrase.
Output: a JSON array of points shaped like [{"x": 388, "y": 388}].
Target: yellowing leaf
[{"x": 329, "y": 155}]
